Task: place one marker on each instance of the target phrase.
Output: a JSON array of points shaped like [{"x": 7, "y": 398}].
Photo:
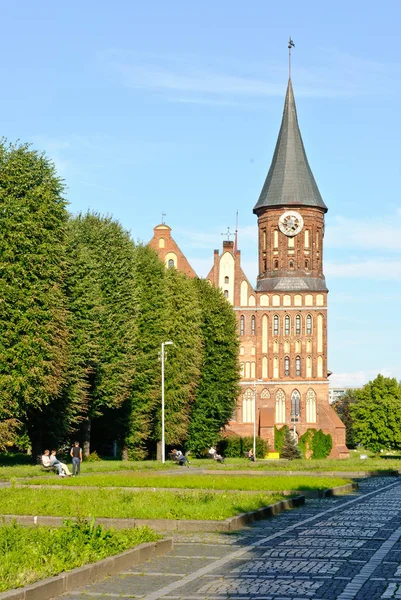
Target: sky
[{"x": 174, "y": 107}]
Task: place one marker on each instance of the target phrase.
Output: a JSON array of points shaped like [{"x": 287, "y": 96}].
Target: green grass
[
  {"x": 190, "y": 504},
  {"x": 189, "y": 480},
  {"x": 28, "y": 554}
]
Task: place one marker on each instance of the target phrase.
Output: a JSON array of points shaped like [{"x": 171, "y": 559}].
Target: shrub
[
  {"x": 317, "y": 442},
  {"x": 279, "y": 436},
  {"x": 93, "y": 457},
  {"x": 235, "y": 446}
]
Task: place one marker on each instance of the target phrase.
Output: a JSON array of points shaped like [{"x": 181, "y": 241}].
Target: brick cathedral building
[{"x": 282, "y": 323}]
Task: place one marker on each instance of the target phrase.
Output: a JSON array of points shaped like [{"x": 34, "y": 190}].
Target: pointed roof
[{"x": 290, "y": 181}]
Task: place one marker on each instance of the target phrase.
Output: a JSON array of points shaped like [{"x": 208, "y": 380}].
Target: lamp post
[
  {"x": 254, "y": 415},
  {"x": 169, "y": 343}
]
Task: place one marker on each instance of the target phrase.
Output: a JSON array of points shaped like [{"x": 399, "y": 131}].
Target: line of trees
[{"x": 83, "y": 313}]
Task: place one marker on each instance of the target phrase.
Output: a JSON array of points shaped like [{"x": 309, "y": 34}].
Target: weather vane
[
  {"x": 290, "y": 46},
  {"x": 163, "y": 215}
]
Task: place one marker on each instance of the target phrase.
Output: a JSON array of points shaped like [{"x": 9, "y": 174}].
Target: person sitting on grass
[
  {"x": 54, "y": 461},
  {"x": 179, "y": 457},
  {"x": 251, "y": 455},
  {"x": 47, "y": 462}
]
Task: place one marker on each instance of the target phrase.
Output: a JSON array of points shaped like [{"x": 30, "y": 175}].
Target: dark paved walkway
[{"x": 342, "y": 548}]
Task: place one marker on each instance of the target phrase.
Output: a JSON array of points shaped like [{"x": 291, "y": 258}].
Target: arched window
[
  {"x": 308, "y": 324},
  {"x": 276, "y": 325},
  {"x": 265, "y": 394},
  {"x": 298, "y": 325},
  {"x": 275, "y": 239},
  {"x": 248, "y": 401},
  {"x": 253, "y": 325},
  {"x": 287, "y": 325},
  {"x": 291, "y": 264},
  {"x": 298, "y": 366},
  {"x": 280, "y": 406},
  {"x": 276, "y": 264},
  {"x": 287, "y": 366},
  {"x": 170, "y": 263},
  {"x": 310, "y": 406},
  {"x": 226, "y": 279},
  {"x": 295, "y": 403},
  {"x": 242, "y": 325},
  {"x": 226, "y": 293}
]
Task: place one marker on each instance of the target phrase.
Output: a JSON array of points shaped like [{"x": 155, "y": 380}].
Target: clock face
[{"x": 290, "y": 223}]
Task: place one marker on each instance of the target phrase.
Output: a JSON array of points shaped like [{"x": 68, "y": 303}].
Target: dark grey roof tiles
[
  {"x": 292, "y": 284},
  {"x": 290, "y": 181}
]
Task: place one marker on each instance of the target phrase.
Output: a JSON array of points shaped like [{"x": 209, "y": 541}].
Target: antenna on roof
[{"x": 290, "y": 46}]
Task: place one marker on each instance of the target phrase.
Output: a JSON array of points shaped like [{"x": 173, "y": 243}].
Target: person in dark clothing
[{"x": 76, "y": 453}]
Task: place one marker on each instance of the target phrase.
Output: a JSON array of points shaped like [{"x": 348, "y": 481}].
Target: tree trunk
[
  {"x": 124, "y": 455},
  {"x": 87, "y": 437}
]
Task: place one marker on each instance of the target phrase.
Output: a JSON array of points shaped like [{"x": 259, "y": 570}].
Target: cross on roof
[{"x": 228, "y": 233}]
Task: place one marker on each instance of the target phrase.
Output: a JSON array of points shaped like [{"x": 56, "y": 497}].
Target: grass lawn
[
  {"x": 190, "y": 504},
  {"x": 188, "y": 480},
  {"x": 28, "y": 554}
]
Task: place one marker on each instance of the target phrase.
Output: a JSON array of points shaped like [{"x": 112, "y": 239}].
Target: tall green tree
[
  {"x": 218, "y": 386},
  {"x": 33, "y": 331},
  {"x": 144, "y": 401},
  {"x": 376, "y": 414},
  {"x": 342, "y": 407},
  {"x": 102, "y": 316}
]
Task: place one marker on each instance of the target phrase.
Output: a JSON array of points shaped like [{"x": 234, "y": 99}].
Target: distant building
[
  {"x": 282, "y": 323},
  {"x": 336, "y": 393}
]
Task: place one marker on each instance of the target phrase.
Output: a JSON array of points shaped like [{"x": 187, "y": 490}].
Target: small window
[
  {"x": 242, "y": 325},
  {"x": 291, "y": 264},
  {"x": 226, "y": 293},
  {"x": 226, "y": 279},
  {"x": 287, "y": 366},
  {"x": 287, "y": 325},
  {"x": 276, "y": 264},
  {"x": 275, "y": 325},
  {"x": 306, "y": 264},
  {"x": 308, "y": 325},
  {"x": 253, "y": 325},
  {"x": 298, "y": 366},
  {"x": 298, "y": 325},
  {"x": 171, "y": 263}
]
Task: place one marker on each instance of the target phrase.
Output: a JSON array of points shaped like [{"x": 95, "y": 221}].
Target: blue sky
[{"x": 175, "y": 107}]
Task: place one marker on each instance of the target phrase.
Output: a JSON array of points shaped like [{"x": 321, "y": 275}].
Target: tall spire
[{"x": 290, "y": 181}]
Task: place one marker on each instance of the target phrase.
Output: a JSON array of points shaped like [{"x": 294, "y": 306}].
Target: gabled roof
[{"x": 290, "y": 181}]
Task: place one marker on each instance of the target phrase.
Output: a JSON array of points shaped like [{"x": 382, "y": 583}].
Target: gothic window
[
  {"x": 280, "y": 406},
  {"x": 287, "y": 325},
  {"x": 310, "y": 406},
  {"x": 265, "y": 394},
  {"x": 308, "y": 324},
  {"x": 298, "y": 366},
  {"x": 287, "y": 366},
  {"x": 295, "y": 403},
  {"x": 291, "y": 264},
  {"x": 253, "y": 325},
  {"x": 171, "y": 263},
  {"x": 264, "y": 239},
  {"x": 275, "y": 367},
  {"x": 275, "y": 325},
  {"x": 242, "y": 325},
  {"x": 226, "y": 293},
  {"x": 248, "y": 401},
  {"x": 226, "y": 279},
  {"x": 276, "y": 264},
  {"x": 298, "y": 325}
]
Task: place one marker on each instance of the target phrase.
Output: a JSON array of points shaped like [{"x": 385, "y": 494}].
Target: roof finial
[
  {"x": 228, "y": 234},
  {"x": 290, "y": 46},
  {"x": 163, "y": 215}
]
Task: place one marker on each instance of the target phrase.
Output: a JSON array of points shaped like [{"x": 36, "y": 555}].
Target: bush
[
  {"x": 317, "y": 442},
  {"x": 93, "y": 457},
  {"x": 279, "y": 437},
  {"x": 235, "y": 446}
]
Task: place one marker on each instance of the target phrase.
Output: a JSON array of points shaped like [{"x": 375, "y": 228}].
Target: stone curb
[{"x": 71, "y": 580}]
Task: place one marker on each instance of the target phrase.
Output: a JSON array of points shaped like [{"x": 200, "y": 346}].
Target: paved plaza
[{"x": 339, "y": 548}]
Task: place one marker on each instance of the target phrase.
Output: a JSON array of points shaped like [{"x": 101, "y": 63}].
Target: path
[{"x": 344, "y": 548}]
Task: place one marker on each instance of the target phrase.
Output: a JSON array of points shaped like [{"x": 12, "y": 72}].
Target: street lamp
[
  {"x": 169, "y": 343},
  {"x": 254, "y": 415}
]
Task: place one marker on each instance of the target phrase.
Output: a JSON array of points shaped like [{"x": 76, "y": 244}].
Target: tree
[
  {"x": 103, "y": 309},
  {"x": 33, "y": 330},
  {"x": 376, "y": 414},
  {"x": 290, "y": 449},
  {"x": 218, "y": 388},
  {"x": 144, "y": 401},
  {"x": 342, "y": 407}
]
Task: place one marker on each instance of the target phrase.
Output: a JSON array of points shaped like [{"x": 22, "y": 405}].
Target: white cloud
[
  {"x": 360, "y": 378},
  {"x": 379, "y": 269},
  {"x": 210, "y": 80},
  {"x": 365, "y": 233}
]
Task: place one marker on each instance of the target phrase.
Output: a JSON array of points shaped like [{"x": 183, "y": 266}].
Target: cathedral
[{"x": 282, "y": 322}]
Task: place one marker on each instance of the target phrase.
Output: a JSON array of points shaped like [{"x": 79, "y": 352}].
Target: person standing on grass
[{"x": 76, "y": 453}]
